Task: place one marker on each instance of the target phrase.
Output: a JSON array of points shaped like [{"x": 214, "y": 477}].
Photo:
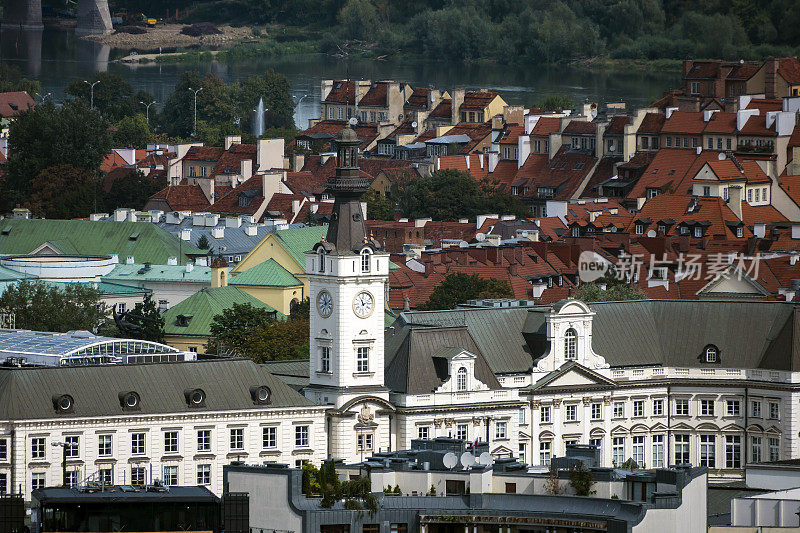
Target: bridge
[{"x": 94, "y": 16}]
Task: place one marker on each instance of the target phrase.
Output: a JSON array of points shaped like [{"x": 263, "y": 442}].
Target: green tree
[
  {"x": 615, "y": 291},
  {"x": 114, "y": 97},
  {"x": 64, "y": 192},
  {"x": 580, "y": 478},
  {"x": 359, "y": 20},
  {"x": 132, "y": 132},
  {"x": 556, "y": 102},
  {"x": 457, "y": 288},
  {"x": 11, "y": 80},
  {"x": 47, "y": 136},
  {"x": 143, "y": 322},
  {"x": 379, "y": 207},
  {"x": 273, "y": 87},
  {"x": 132, "y": 190},
  {"x": 310, "y": 481},
  {"x": 40, "y": 306},
  {"x": 214, "y": 104},
  {"x": 552, "y": 485},
  {"x": 203, "y": 243},
  {"x": 233, "y": 326}
]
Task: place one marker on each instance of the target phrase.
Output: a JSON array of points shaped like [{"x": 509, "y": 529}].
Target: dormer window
[
  {"x": 365, "y": 260},
  {"x": 571, "y": 345},
  {"x": 711, "y": 354},
  {"x": 321, "y": 260},
  {"x": 638, "y": 228},
  {"x": 698, "y": 231},
  {"x": 461, "y": 379}
]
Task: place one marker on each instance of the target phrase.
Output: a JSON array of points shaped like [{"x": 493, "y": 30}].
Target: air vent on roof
[
  {"x": 6, "y": 230},
  {"x": 63, "y": 403},
  {"x": 195, "y": 397},
  {"x": 130, "y": 401},
  {"x": 261, "y": 395}
]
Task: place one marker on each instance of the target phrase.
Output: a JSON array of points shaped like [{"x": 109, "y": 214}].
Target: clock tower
[{"x": 348, "y": 274}]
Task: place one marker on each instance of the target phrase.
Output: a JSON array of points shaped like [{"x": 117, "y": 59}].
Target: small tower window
[
  {"x": 365, "y": 260},
  {"x": 325, "y": 359},
  {"x": 362, "y": 359},
  {"x": 461, "y": 379},
  {"x": 322, "y": 260},
  {"x": 571, "y": 344},
  {"x": 711, "y": 354}
]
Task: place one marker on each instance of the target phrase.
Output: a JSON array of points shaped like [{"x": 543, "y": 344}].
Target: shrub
[{"x": 200, "y": 28}]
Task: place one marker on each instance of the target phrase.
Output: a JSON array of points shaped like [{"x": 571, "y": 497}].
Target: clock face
[
  {"x": 363, "y": 304},
  {"x": 325, "y": 304}
]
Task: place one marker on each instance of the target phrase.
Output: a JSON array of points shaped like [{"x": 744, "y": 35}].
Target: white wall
[{"x": 690, "y": 517}]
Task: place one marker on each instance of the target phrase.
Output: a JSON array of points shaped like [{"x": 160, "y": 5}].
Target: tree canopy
[
  {"x": 143, "y": 322},
  {"x": 613, "y": 292},
  {"x": 64, "y": 192},
  {"x": 41, "y": 306},
  {"x": 114, "y": 97},
  {"x": 457, "y": 288}
]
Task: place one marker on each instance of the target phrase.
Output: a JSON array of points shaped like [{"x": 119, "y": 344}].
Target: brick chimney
[
  {"x": 770, "y": 75},
  {"x": 455, "y": 108}
]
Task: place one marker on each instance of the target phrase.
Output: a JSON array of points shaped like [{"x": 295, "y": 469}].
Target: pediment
[
  {"x": 574, "y": 375},
  {"x": 733, "y": 281},
  {"x": 658, "y": 427},
  {"x": 501, "y": 450},
  {"x": 707, "y": 426},
  {"x": 640, "y": 428},
  {"x": 46, "y": 248},
  {"x": 733, "y": 427},
  {"x": 682, "y": 426},
  {"x": 619, "y": 430}
]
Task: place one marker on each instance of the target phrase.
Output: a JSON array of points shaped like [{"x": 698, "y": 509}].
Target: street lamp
[
  {"x": 64, "y": 447},
  {"x": 147, "y": 106},
  {"x": 195, "y": 109},
  {"x": 91, "y": 92},
  {"x": 43, "y": 97}
]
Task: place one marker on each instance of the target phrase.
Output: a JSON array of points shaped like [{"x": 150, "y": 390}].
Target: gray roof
[
  {"x": 293, "y": 372},
  {"x": 418, "y": 360},
  {"x": 23, "y": 341},
  {"x": 27, "y": 393},
  {"x": 649, "y": 332},
  {"x": 127, "y": 494},
  {"x": 235, "y": 241}
]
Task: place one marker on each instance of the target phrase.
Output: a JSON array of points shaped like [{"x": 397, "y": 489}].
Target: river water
[{"x": 56, "y": 57}]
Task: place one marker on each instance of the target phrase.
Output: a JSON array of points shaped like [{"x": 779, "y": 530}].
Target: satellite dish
[
  {"x": 450, "y": 460},
  {"x": 652, "y": 233},
  {"x": 353, "y": 121},
  {"x": 467, "y": 459},
  {"x": 400, "y": 117},
  {"x": 414, "y": 124},
  {"x": 486, "y": 459},
  {"x": 480, "y": 237},
  {"x": 721, "y": 156}
]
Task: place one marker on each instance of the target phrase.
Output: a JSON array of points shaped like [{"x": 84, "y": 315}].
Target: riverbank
[{"x": 169, "y": 36}]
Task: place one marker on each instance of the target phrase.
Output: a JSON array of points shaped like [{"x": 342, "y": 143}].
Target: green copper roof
[
  {"x": 267, "y": 274},
  {"x": 146, "y": 242},
  {"x": 110, "y": 289},
  {"x": 126, "y": 273},
  {"x": 298, "y": 241},
  {"x": 201, "y": 308}
]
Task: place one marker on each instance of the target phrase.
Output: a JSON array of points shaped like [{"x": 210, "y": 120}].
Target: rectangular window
[
  {"x": 138, "y": 476},
  {"x": 645, "y": 143},
  {"x": 598, "y": 443},
  {"x": 685, "y": 142},
  {"x": 728, "y": 143},
  {"x": 72, "y": 443},
  {"x": 138, "y": 443},
  {"x": 269, "y": 437},
  {"x": 364, "y": 442},
  {"x": 72, "y": 479},
  {"x": 695, "y": 87},
  {"x": 710, "y": 143},
  {"x": 597, "y": 411},
  {"x": 362, "y": 359},
  {"x": 203, "y": 440},
  {"x": 733, "y": 451},
  {"x": 544, "y": 453},
  {"x": 170, "y": 474},
  {"x": 774, "y": 449},
  {"x": 708, "y": 452},
  {"x": 105, "y": 476},
  {"x": 758, "y": 192},
  {"x": 764, "y": 194},
  {"x": 461, "y": 432},
  {"x": 755, "y": 449},
  {"x": 521, "y": 419},
  {"x": 204, "y": 474},
  {"x": 732, "y": 407},
  {"x": 638, "y": 408},
  {"x": 694, "y": 142},
  {"x": 325, "y": 359},
  {"x": 774, "y": 412},
  {"x": 658, "y": 451},
  {"x": 658, "y": 407},
  {"x": 522, "y": 455},
  {"x": 3, "y": 450},
  {"x": 170, "y": 442},
  {"x": 3, "y": 483},
  {"x": 571, "y": 413},
  {"x": 301, "y": 436},
  {"x": 544, "y": 414},
  {"x": 423, "y": 432},
  {"x": 719, "y": 143},
  {"x": 619, "y": 410},
  {"x": 682, "y": 407},
  {"x": 638, "y": 450},
  {"x": 104, "y": 445},
  {"x": 500, "y": 430},
  {"x": 706, "y": 407},
  {"x": 237, "y": 438},
  {"x": 669, "y": 142},
  {"x": 38, "y": 448},
  {"x": 749, "y": 195},
  {"x": 37, "y": 480},
  {"x": 681, "y": 449},
  {"x": 755, "y": 409},
  {"x": 618, "y": 451}
]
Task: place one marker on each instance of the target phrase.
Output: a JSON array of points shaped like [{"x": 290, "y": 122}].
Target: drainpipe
[
  {"x": 12, "y": 444},
  {"x": 532, "y": 431},
  {"x": 745, "y": 407},
  {"x": 328, "y": 424},
  {"x": 390, "y": 432},
  {"x": 669, "y": 428}
]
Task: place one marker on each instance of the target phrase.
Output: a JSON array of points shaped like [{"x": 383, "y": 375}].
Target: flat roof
[{"x": 123, "y": 494}]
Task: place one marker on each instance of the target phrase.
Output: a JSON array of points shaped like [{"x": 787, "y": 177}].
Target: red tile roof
[
  {"x": 546, "y": 126},
  {"x": 442, "y": 110},
  {"x": 757, "y": 125},
  {"x": 230, "y": 162},
  {"x": 617, "y": 125},
  {"x": 721, "y": 122},
  {"x": 376, "y": 95},
  {"x": 789, "y": 70},
  {"x": 701, "y": 70},
  {"x": 580, "y": 127},
  {"x": 565, "y": 172},
  {"x": 478, "y": 99},
  {"x": 764, "y": 105},
  {"x": 419, "y": 98},
  {"x": 183, "y": 198},
  {"x": 727, "y": 170},
  {"x": 687, "y": 122},
  {"x": 712, "y": 212},
  {"x": 251, "y": 190},
  {"x": 510, "y": 135},
  {"x": 760, "y": 213},
  {"x": 744, "y": 71},
  {"x": 13, "y": 103},
  {"x": 668, "y": 171},
  {"x": 209, "y": 154},
  {"x": 652, "y": 123},
  {"x": 342, "y": 92},
  {"x": 604, "y": 171}
]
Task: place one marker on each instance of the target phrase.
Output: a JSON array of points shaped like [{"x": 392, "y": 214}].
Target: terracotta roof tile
[
  {"x": 580, "y": 127},
  {"x": 712, "y": 212},
  {"x": 744, "y": 71},
  {"x": 789, "y": 70},
  {"x": 13, "y": 103},
  {"x": 688, "y": 122},
  {"x": 546, "y": 126},
  {"x": 727, "y": 170},
  {"x": 510, "y": 135},
  {"x": 757, "y": 125},
  {"x": 764, "y": 105},
  {"x": 204, "y": 153},
  {"x": 183, "y": 198},
  {"x": 721, "y": 122},
  {"x": 617, "y": 125},
  {"x": 376, "y": 95},
  {"x": 669, "y": 169},
  {"x": 652, "y": 123},
  {"x": 477, "y": 99},
  {"x": 342, "y": 92},
  {"x": 443, "y": 110},
  {"x": 419, "y": 98}
]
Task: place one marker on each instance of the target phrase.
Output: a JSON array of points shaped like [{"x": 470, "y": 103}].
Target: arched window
[
  {"x": 461, "y": 379},
  {"x": 321, "y": 260},
  {"x": 365, "y": 260},
  {"x": 571, "y": 344},
  {"x": 711, "y": 354}
]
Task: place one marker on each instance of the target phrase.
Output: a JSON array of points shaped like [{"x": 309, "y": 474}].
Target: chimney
[
  {"x": 186, "y": 234},
  {"x": 207, "y": 186},
  {"x": 129, "y": 260},
  {"x": 434, "y": 95},
  {"x": 670, "y": 110},
  {"x": 218, "y": 232},
  {"x": 271, "y": 183},
  {"x": 295, "y": 206},
  {"x": 233, "y": 222},
  {"x": 796, "y": 230},
  {"x": 269, "y": 154},
  {"x": 494, "y": 158},
  {"x": 246, "y": 169},
  {"x": 455, "y": 108},
  {"x": 770, "y": 75},
  {"x": 189, "y": 266},
  {"x": 298, "y": 162},
  {"x": 735, "y": 201},
  {"x": 230, "y": 140},
  {"x": 759, "y": 229},
  {"x": 793, "y": 168},
  {"x": 172, "y": 261},
  {"x": 251, "y": 230},
  {"x": 514, "y": 114}
]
